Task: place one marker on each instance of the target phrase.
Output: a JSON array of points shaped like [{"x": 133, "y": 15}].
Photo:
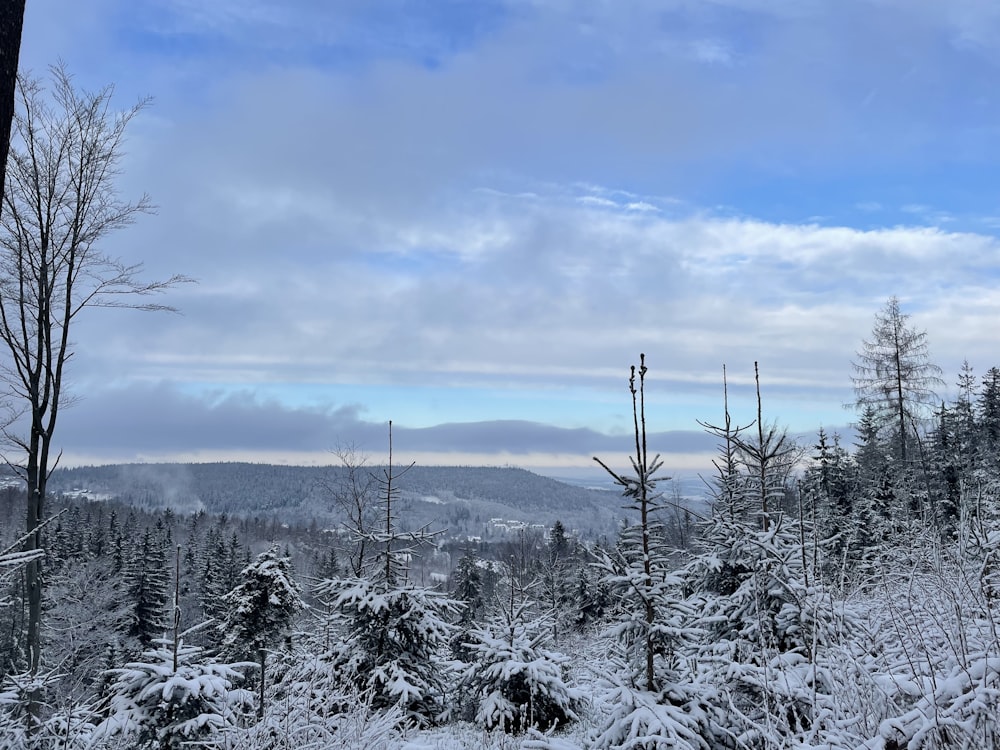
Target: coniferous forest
[{"x": 827, "y": 595}]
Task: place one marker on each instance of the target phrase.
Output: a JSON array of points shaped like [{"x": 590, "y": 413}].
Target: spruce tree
[
  {"x": 394, "y": 634},
  {"x": 513, "y": 679},
  {"x": 174, "y": 697},
  {"x": 758, "y": 600},
  {"x": 148, "y": 579},
  {"x": 988, "y": 417},
  {"x": 653, "y": 701},
  {"x": 259, "y": 611}
]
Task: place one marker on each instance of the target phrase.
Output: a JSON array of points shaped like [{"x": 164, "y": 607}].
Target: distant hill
[{"x": 474, "y": 501}]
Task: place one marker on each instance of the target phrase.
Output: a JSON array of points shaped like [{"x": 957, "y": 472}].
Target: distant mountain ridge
[{"x": 462, "y": 500}]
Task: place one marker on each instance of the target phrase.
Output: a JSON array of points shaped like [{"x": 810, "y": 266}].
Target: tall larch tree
[{"x": 894, "y": 375}]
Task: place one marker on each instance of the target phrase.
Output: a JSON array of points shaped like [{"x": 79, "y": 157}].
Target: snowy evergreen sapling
[{"x": 259, "y": 611}]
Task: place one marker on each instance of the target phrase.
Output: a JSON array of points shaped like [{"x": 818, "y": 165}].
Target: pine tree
[
  {"x": 117, "y": 543},
  {"x": 877, "y": 505},
  {"x": 553, "y": 577},
  {"x": 988, "y": 413},
  {"x": 967, "y": 432},
  {"x": 590, "y": 598},
  {"x": 467, "y": 594},
  {"x": 829, "y": 491},
  {"x": 467, "y": 588},
  {"x": 945, "y": 467}
]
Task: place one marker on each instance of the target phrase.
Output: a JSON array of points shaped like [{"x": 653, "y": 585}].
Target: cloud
[
  {"x": 553, "y": 296},
  {"x": 157, "y": 422},
  {"x": 157, "y": 418},
  {"x": 521, "y": 196}
]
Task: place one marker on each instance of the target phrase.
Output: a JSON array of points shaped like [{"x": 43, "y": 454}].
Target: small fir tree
[
  {"x": 655, "y": 703},
  {"x": 173, "y": 698}
]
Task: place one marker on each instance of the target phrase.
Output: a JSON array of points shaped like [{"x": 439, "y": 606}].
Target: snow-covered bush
[
  {"x": 308, "y": 709},
  {"x": 958, "y": 708},
  {"x": 642, "y": 720},
  {"x": 173, "y": 698},
  {"x": 68, "y": 727},
  {"x": 933, "y": 650}
]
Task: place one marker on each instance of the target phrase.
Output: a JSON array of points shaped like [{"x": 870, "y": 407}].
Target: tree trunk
[
  {"x": 902, "y": 408},
  {"x": 260, "y": 704},
  {"x": 35, "y": 476},
  {"x": 11, "y": 23}
]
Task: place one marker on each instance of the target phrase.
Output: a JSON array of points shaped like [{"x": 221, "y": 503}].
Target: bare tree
[
  {"x": 355, "y": 494},
  {"x": 894, "y": 375},
  {"x": 59, "y": 202}
]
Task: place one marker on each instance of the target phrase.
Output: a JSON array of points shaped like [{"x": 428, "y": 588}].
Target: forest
[
  {"x": 830, "y": 597},
  {"x": 462, "y": 499}
]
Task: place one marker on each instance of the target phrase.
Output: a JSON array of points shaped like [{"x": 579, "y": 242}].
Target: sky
[{"x": 470, "y": 218}]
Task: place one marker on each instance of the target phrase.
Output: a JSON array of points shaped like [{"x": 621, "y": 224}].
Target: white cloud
[
  {"x": 406, "y": 210},
  {"x": 713, "y": 51},
  {"x": 560, "y": 292}
]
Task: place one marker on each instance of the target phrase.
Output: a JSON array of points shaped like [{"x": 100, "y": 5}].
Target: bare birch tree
[{"x": 59, "y": 203}]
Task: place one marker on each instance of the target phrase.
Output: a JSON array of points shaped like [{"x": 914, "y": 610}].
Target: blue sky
[{"x": 471, "y": 217}]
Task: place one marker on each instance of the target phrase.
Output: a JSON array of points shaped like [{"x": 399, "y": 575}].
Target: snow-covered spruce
[
  {"x": 769, "y": 627},
  {"x": 642, "y": 720},
  {"x": 514, "y": 681},
  {"x": 172, "y": 699},
  {"x": 259, "y": 611},
  {"x": 394, "y": 641},
  {"x": 655, "y": 703}
]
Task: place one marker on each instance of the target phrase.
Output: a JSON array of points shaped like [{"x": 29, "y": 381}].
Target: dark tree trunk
[
  {"x": 262, "y": 654},
  {"x": 11, "y": 21}
]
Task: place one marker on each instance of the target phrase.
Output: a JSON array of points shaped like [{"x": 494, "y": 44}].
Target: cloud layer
[{"x": 508, "y": 201}]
